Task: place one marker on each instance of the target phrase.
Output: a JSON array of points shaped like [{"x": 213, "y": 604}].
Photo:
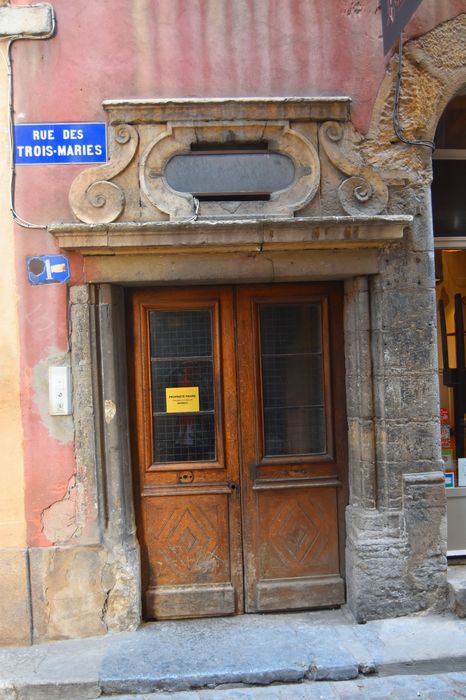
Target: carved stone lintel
[
  {"x": 178, "y": 137},
  {"x": 92, "y": 197},
  {"x": 133, "y": 186},
  {"x": 364, "y": 191}
]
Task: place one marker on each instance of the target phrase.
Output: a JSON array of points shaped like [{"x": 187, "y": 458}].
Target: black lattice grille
[
  {"x": 181, "y": 356},
  {"x": 181, "y": 333},
  {"x": 290, "y": 329},
  {"x": 184, "y": 438},
  {"x": 292, "y": 379}
]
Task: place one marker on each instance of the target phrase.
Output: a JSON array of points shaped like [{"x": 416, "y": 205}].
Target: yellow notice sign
[{"x": 182, "y": 399}]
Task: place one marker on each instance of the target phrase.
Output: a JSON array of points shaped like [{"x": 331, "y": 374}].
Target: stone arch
[{"x": 431, "y": 77}]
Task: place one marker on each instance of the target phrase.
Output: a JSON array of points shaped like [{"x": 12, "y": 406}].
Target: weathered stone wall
[
  {"x": 396, "y": 541},
  {"x": 82, "y": 591}
]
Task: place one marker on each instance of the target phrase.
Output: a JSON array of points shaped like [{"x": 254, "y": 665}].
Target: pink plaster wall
[
  {"x": 155, "y": 48},
  {"x": 43, "y": 329},
  {"x": 147, "y": 48}
]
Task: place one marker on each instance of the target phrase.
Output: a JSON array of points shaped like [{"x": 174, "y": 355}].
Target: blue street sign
[
  {"x": 48, "y": 269},
  {"x": 38, "y": 144}
]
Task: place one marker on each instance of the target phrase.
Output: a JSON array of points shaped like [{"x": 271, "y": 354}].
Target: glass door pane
[
  {"x": 292, "y": 379},
  {"x": 181, "y": 358}
]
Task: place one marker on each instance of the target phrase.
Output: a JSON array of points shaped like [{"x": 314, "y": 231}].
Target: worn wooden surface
[{"x": 280, "y": 519}]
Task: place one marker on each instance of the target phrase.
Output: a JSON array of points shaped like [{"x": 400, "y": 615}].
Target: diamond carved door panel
[
  {"x": 300, "y": 533},
  {"x": 189, "y": 544},
  {"x": 227, "y": 529},
  {"x": 298, "y": 554}
]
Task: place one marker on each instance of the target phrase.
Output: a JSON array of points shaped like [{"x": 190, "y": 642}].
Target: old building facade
[{"x": 249, "y": 323}]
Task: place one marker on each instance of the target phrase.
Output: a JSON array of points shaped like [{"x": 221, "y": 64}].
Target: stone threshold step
[{"x": 248, "y": 650}]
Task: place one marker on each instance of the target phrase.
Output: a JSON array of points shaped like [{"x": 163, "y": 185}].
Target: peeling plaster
[
  {"x": 60, "y": 428},
  {"x": 59, "y": 521},
  {"x": 83, "y": 591}
]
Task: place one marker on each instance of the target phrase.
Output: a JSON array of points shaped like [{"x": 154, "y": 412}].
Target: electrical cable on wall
[
  {"x": 396, "y": 108},
  {"x": 11, "y": 127}
]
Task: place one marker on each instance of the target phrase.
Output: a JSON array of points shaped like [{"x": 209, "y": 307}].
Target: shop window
[
  {"x": 449, "y": 171},
  {"x": 449, "y": 214}
]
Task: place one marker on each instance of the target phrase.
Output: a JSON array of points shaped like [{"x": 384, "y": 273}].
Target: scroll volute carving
[
  {"x": 93, "y": 198},
  {"x": 364, "y": 191}
]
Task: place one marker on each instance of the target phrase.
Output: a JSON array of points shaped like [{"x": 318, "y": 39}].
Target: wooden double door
[{"x": 239, "y": 440}]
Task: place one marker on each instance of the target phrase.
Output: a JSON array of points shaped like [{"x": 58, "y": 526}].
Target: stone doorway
[{"x": 240, "y": 439}]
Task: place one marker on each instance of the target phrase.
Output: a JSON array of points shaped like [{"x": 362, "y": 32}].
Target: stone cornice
[
  {"x": 139, "y": 111},
  {"x": 233, "y": 234}
]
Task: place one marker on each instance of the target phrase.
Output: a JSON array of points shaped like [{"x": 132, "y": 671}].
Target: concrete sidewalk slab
[{"x": 248, "y": 649}]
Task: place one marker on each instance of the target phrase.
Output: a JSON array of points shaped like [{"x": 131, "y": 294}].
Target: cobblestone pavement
[{"x": 445, "y": 686}]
